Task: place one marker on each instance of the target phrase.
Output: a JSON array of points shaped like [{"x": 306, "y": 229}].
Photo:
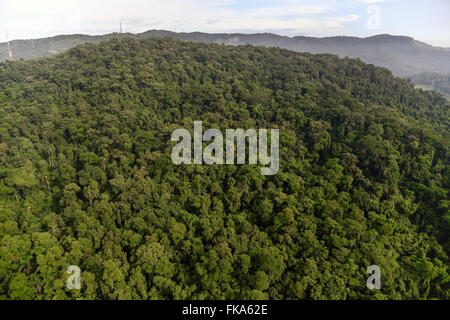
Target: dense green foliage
[
  {"x": 404, "y": 56},
  {"x": 86, "y": 177}
]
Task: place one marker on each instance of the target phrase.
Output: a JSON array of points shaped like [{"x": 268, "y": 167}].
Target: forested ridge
[
  {"x": 404, "y": 56},
  {"x": 86, "y": 177}
]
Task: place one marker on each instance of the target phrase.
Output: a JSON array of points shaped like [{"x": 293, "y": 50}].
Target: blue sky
[{"x": 424, "y": 20}]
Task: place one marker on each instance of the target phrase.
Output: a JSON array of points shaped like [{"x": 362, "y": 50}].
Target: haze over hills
[{"x": 404, "y": 56}]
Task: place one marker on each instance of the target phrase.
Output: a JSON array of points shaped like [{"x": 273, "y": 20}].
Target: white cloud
[
  {"x": 371, "y": 1},
  {"x": 336, "y": 22},
  {"x": 31, "y": 19},
  {"x": 288, "y": 10}
]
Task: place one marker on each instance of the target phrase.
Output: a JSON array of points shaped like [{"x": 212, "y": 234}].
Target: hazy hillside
[
  {"x": 433, "y": 81},
  {"x": 86, "y": 177},
  {"x": 403, "y": 55}
]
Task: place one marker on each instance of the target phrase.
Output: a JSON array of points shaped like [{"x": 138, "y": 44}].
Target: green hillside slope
[
  {"x": 404, "y": 56},
  {"x": 86, "y": 177}
]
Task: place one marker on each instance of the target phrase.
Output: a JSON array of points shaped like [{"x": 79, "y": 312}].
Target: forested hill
[
  {"x": 86, "y": 177},
  {"x": 403, "y": 55}
]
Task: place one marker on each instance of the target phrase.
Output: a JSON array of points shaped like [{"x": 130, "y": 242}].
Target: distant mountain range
[{"x": 404, "y": 56}]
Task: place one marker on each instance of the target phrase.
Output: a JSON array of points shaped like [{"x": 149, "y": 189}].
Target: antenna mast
[
  {"x": 9, "y": 47},
  {"x": 121, "y": 27}
]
